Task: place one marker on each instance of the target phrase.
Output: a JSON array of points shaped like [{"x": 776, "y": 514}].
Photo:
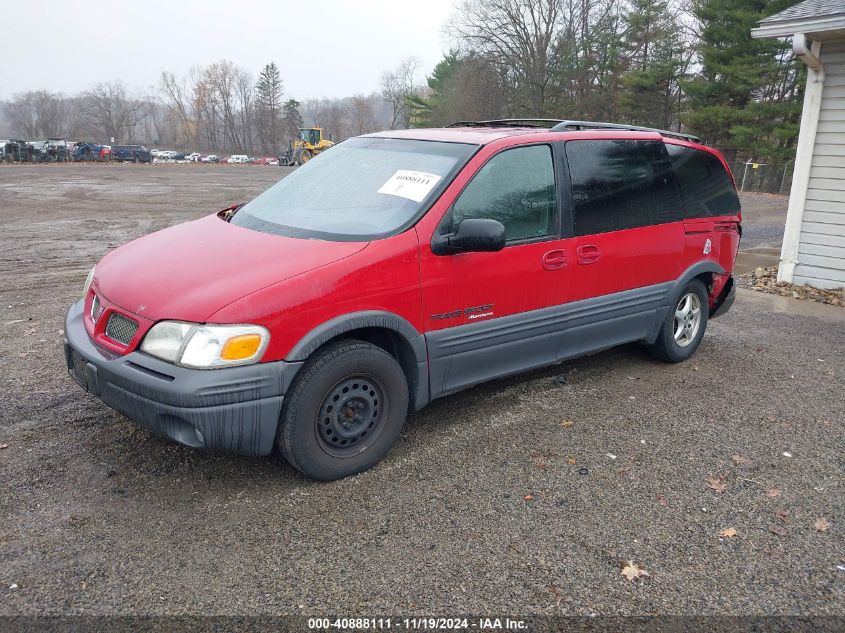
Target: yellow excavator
[{"x": 309, "y": 144}]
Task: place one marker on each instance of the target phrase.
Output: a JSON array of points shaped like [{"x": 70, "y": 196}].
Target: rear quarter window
[
  {"x": 706, "y": 187},
  {"x": 621, "y": 184}
]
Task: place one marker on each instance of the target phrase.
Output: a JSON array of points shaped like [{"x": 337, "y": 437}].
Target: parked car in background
[
  {"x": 154, "y": 152},
  {"x": 431, "y": 261},
  {"x": 38, "y": 151},
  {"x": 267, "y": 160},
  {"x": 131, "y": 153},
  {"x": 91, "y": 152},
  {"x": 238, "y": 159},
  {"x": 52, "y": 150},
  {"x": 16, "y": 151},
  {"x": 211, "y": 158},
  {"x": 194, "y": 156},
  {"x": 57, "y": 150}
]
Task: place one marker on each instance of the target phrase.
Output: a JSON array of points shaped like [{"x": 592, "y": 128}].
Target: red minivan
[{"x": 400, "y": 267}]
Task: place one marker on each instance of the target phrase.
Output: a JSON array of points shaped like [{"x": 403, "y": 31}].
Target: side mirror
[{"x": 472, "y": 235}]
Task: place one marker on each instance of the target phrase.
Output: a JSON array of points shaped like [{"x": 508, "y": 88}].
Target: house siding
[{"x": 821, "y": 251}]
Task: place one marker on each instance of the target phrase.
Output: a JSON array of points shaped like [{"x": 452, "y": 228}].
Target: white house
[{"x": 813, "y": 250}]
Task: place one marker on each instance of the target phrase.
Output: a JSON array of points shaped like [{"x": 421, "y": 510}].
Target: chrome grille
[{"x": 121, "y": 329}]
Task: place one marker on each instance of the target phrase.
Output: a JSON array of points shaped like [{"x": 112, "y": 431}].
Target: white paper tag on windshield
[{"x": 413, "y": 185}]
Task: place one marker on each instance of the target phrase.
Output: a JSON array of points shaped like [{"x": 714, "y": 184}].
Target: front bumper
[{"x": 232, "y": 410}]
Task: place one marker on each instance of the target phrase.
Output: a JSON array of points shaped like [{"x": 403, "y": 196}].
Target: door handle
[
  {"x": 588, "y": 254},
  {"x": 554, "y": 260}
]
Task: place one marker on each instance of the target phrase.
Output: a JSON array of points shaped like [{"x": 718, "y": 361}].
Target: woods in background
[
  {"x": 674, "y": 64},
  {"x": 668, "y": 64}
]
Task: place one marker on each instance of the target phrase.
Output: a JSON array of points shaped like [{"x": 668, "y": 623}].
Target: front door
[{"x": 483, "y": 311}]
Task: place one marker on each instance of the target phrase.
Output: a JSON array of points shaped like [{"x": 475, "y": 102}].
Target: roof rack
[
  {"x": 600, "y": 125},
  {"x": 540, "y": 123},
  {"x": 561, "y": 125}
]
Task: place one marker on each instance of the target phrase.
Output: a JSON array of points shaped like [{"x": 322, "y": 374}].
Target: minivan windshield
[{"x": 360, "y": 189}]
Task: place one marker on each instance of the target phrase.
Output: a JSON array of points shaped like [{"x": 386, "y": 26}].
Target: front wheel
[
  {"x": 304, "y": 157},
  {"x": 344, "y": 411},
  {"x": 683, "y": 328}
]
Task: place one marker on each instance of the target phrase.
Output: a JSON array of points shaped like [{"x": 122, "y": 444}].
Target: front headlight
[
  {"x": 88, "y": 281},
  {"x": 206, "y": 346}
]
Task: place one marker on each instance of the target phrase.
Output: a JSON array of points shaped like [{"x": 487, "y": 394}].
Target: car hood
[{"x": 192, "y": 270}]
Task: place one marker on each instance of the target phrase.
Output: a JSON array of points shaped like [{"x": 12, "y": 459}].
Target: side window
[
  {"x": 517, "y": 188},
  {"x": 706, "y": 187},
  {"x": 619, "y": 184}
]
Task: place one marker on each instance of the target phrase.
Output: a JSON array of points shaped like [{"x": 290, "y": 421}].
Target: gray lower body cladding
[
  {"x": 469, "y": 354},
  {"x": 232, "y": 410}
]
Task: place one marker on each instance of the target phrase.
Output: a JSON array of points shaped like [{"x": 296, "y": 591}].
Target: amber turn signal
[{"x": 241, "y": 347}]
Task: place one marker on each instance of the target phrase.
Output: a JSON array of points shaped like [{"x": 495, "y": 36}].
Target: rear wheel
[
  {"x": 344, "y": 411},
  {"x": 304, "y": 157},
  {"x": 683, "y": 328}
]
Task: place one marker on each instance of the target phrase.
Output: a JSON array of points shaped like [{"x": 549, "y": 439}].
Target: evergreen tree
[
  {"x": 746, "y": 94},
  {"x": 291, "y": 119},
  {"x": 268, "y": 102},
  {"x": 427, "y": 110},
  {"x": 657, "y": 59}
]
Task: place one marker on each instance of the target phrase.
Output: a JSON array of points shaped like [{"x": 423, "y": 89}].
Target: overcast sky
[{"x": 323, "y": 48}]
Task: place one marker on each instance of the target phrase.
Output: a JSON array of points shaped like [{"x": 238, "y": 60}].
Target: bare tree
[
  {"x": 519, "y": 38},
  {"x": 245, "y": 94},
  {"x": 111, "y": 111},
  {"x": 178, "y": 107},
  {"x": 396, "y": 86},
  {"x": 38, "y": 114},
  {"x": 362, "y": 114}
]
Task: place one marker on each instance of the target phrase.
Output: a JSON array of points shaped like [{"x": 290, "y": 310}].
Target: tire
[
  {"x": 303, "y": 157},
  {"x": 683, "y": 329},
  {"x": 344, "y": 411}
]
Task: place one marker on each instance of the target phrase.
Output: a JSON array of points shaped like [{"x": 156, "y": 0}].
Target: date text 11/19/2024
[{"x": 417, "y": 624}]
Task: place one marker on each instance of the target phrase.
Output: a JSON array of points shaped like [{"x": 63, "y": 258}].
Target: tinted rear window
[
  {"x": 705, "y": 185},
  {"x": 621, "y": 184}
]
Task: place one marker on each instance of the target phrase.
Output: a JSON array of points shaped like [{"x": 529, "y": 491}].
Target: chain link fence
[{"x": 763, "y": 177}]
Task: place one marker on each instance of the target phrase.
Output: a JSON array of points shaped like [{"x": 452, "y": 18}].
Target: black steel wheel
[
  {"x": 344, "y": 410},
  {"x": 349, "y": 418}
]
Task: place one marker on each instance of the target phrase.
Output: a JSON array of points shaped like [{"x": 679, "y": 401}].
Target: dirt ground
[{"x": 525, "y": 495}]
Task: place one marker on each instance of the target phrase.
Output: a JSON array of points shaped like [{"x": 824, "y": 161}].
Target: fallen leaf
[
  {"x": 776, "y": 529},
  {"x": 632, "y": 571},
  {"x": 528, "y": 498},
  {"x": 740, "y": 459},
  {"x": 782, "y": 515},
  {"x": 728, "y": 533},
  {"x": 2, "y": 446},
  {"x": 567, "y": 423},
  {"x": 773, "y": 492},
  {"x": 541, "y": 465},
  {"x": 571, "y": 461},
  {"x": 821, "y": 524},
  {"x": 717, "y": 483},
  {"x": 662, "y": 500}
]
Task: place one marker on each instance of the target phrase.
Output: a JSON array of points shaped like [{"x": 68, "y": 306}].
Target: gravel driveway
[{"x": 525, "y": 495}]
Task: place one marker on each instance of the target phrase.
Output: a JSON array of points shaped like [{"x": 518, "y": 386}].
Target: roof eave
[{"x": 826, "y": 27}]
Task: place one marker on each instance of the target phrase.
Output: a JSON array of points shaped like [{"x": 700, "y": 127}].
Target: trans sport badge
[{"x": 708, "y": 246}]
